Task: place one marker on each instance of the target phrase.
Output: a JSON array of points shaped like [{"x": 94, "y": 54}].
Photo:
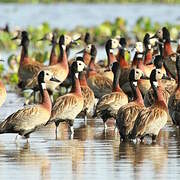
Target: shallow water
[{"x": 92, "y": 154}]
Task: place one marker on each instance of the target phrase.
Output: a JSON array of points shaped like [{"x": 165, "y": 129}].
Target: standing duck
[
  {"x": 52, "y": 38},
  {"x": 28, "y": 119},
  {"x": 98, "y": 83},
  {"x": 174, "y": 100},
  {"x": 28, "y": 67},
  {"x": 127, "y": 114},
  {"x": 59, "y": 70},
  {"x": 149, "y": 98},
  {"x": 68, "y": 106},
  {"x": 110, "y": 46},
  {"x": 109, "y": 104},
  {"x": 88, "y": 95},
  {"x": 152, "y": 119}
]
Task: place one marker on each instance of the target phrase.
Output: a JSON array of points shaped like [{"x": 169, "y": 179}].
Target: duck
[
  {"x": 27, "y": 120},
  {"x": 109, "y": 104},
  {"x": 67, "y": 107},
  {"x": 28, "y": 67},
  {"x": 127, "y": 114},
  {"x": 174, "y": 100},
  {"x": 124, "y": 65},
  {"x": 152, "y": 119},
  {"x": 120, "y": 57},
  {"x": 110, "y": 46},
  {"x": 143, "y": 84},
  {"x": 59, "y": 70},
  {"x": 52, "y": 37},
  {"x": 149, "y": 98},
  {"x": 88, "y": 96},
  {"x": 100, "y": 84},
  {"x": 164, "y": 45},
  {"x": 147, "y": 50}
]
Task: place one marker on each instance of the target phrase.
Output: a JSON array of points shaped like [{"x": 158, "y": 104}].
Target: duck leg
[
  {"x": 56, "y": 130},
  {"x": 154, "y": 138},
  {"x": 85, "y": 117},
  {"x": 71, "y": 128}
]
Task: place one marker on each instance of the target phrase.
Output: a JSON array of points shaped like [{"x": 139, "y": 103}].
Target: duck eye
[{"x": 47, "y": 74}]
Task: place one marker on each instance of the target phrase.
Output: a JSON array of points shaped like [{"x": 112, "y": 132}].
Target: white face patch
[
  {"x": 139, "y": 55},
  {"x": 80, "y": 65},
  {"x": 139, "y": 46},
  {"x": 111, "y": 51},
  {"x": 135, "y": 83},
  {"x": 43, "y": 85},
  {"x": 155, "y": 83},
  {"x": 64, "y": 47},
  {"x": 149, "y": 46},
  {"x": 115, "y": 43},
  {"x": 77, "y": 75}
]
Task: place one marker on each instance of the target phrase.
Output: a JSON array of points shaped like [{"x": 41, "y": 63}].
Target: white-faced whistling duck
[
  {"x": 68, "y": 106},
  {"x": 28, "y": 67},
  {"x": 98, "y": 83},
  {"x": 127, "y": 114},
  {"x": 109, "y": 104},
  {"x": 147, "y": 50},
  {"x": 110, "y": 46},
  {"x": 143, "y": 84},
  {"x": 152, "y": 119},
  {"x": 28, "y": 119},
  {"x": 124, "y": 65},
  {"x": 174, "y": 100},
  {"x": 164, "y": 42},
  {"x": 149, "y": 98},
  {"x": 88, "y": 95},
  {"x": 52, "y": 38},
  {"x": 59, "y": 70}
]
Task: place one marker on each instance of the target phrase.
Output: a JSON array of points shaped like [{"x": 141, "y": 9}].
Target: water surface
[{"x": 92, "y": 154}]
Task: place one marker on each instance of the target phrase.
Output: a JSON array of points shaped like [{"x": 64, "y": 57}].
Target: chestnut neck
[
  {"x": 53, "y": 57},
  {"x": 86, "y": 58},
  {"x": 63, "y": 56},
  {"x": 82, "y": 79},
  {"x": 137, "y": 94},
  {"x": 116, "y": 87},
  {"x": 167, "y": 49},
  {"x": 24, "y": 53},
  {"x": 148, "y": 57},
  {"x": 46, "y": 101},
  {"x": 111, "y": 58},
  {"x": 159, "y": 96},
  {"x": 76, "y": 88},
  {"x": 140, "y": 65},
  {"x": 121, "y": 59},
  {"x": 135, "y": 61},
  {"x": 92, "y": 69}
]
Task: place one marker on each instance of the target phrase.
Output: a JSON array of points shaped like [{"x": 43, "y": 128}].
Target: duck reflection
[
  {"x": 151, "y": 156},
  {"x": 30, "y": 159}
]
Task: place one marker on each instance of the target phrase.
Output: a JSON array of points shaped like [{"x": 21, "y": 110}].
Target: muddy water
[{"x": 92, "y": 154}]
